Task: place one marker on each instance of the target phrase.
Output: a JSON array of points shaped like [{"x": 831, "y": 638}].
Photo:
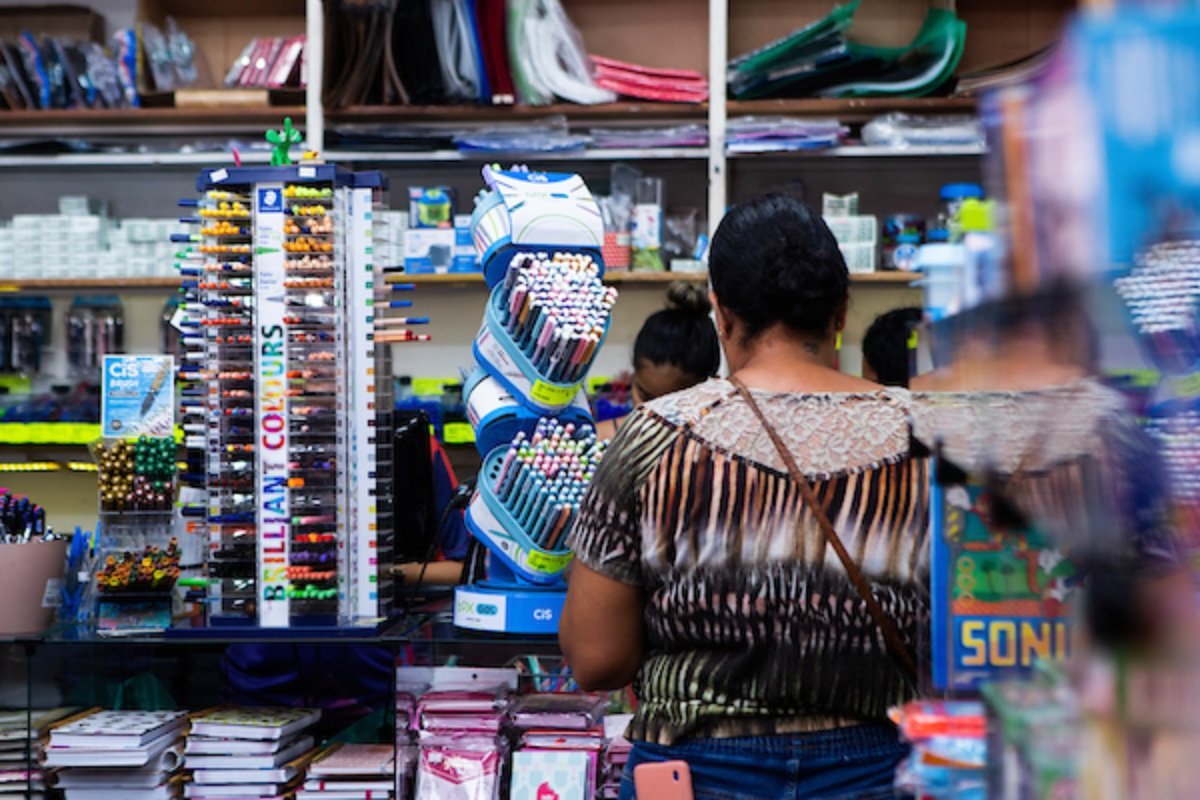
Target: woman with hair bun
[
  {"x": 752, "y": 552},
  {"x": 675, "y": 349}
]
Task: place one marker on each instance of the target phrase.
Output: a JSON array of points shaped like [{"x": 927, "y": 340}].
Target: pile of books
[
  {"x": 114, "y": 755},
  {"x": 248, "y": 753},
  {"x": 351, "y": 772},
  {"x": 21, "y": 735}
]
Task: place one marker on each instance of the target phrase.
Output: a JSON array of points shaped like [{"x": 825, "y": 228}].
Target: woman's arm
[{"x": 601, "y": 629}]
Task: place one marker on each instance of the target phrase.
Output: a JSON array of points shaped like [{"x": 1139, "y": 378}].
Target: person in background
[
  {"x": 707, "y": 564},
  {"x": 676, "y": 349},
  {"x": 885, "y": 347}
]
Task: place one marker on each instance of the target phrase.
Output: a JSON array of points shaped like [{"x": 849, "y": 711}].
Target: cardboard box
[{"x": 428, "y": 250}]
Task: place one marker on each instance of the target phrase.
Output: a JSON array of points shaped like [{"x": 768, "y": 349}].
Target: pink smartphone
[{"x": 670, "y": 780}]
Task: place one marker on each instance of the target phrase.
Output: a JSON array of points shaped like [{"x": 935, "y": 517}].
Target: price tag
[
  {"x": 218, "y": 175},
  {"x": 550, "y": 394},
  {"x": 548, "y": 564}
]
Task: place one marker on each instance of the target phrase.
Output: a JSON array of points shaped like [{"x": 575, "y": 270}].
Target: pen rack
[{"x": 535, "y": 387}]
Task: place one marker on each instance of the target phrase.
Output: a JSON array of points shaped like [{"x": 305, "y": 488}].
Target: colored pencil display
[
  {"x": 556, "y": 310},
  {"x": 544, "y": 476}
]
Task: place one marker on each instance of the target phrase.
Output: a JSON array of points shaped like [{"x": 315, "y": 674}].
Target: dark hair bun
[
  {"x": 774, "y": 261},
  {"x": 688, "y": 298}
]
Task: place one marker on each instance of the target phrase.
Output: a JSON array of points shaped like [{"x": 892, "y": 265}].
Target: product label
[
  {"x": 647, "y": 227},
  {"x": 549, "y": 394},
  {"x": 547, "y": 563},
  {"x": 137, "y": 396},
  {"x": 52, "y": 595},
  {"x": 479, "y": 611}
]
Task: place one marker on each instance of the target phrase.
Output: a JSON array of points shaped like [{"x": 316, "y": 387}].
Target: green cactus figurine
[{"x": 283, "y": 140}]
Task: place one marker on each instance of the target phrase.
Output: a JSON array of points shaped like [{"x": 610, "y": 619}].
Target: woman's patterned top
[{"x": 753, "y": 627}]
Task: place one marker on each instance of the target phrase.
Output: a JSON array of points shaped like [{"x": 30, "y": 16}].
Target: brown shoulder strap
[{"x": 895, "y": 644}]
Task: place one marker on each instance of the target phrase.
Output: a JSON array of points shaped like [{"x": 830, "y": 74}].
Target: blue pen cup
[
  {"x": 499, "y": 355},
  {"x": 491, "y": 522}
]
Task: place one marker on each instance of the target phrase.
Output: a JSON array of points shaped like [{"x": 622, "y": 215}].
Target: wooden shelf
[
  {"x": 116, "y": 284},
  {"x": 163, "y": 120},
  {"x": 850, "y": 110},
  {"x": 645, "y": 278},
  {"x": 624, "y": 111}
]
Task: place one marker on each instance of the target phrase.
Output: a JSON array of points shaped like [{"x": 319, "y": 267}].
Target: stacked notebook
[
  {"x": 21, "y": 749},
  {"x": 562, "y": 736},
  {"x": 351, "y": 772},
  {"x": 113, "y": 755},
  {"x": 251, "y": 753}
]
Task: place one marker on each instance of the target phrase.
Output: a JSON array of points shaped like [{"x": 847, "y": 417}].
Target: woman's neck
[{"x": 782, "y": 361}]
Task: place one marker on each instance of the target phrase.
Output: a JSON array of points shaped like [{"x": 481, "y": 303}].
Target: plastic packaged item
[
  {"x": 102, "y": 75},
  {"x": 549, "y": 56},
  {"x": 678, "y": 136},
  {"x": 679, "y": 235},
  {"x": 35, "y": 68},
  {"x": 901, "y": 131},
  {"x": 183, "y": 54},
  {"x": 953, "y": 196},
  {"x": 95, "y": 328},
  {"x": 834, "y": 205},
  {"x": 860, "y": 257},
  {"x": 157, "y": 53},
  {"x": 782, "y": 134},
  {"x": 646, "y": 231},
  {"x": 551, "y": 136},
  {"x": 126, "y": 52},
  {"x": 942, "y": 268}
]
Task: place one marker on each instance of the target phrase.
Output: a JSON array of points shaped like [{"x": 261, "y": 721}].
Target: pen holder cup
[
  {"x": 499, "y": 355},
  {"x": 490, "y": 521},
  {"x": 30, "y": 577}
]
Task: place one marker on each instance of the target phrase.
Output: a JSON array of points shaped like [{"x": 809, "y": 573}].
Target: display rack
[{"x": 281, "y": 292}]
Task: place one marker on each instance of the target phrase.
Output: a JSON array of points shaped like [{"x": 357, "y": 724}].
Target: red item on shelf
[{"x": 648, "y": 83}]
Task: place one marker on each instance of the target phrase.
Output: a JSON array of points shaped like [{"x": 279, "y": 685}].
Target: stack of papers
[
  {"x": 249, "y": 753},
  {"x": 782, "y": 134},
  {"x": 352, "y": 772},
  {"x": 113, "y": 755},
  {"x": 21, "y": 749}
]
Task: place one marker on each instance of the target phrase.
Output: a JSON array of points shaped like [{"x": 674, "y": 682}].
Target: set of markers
[
  {"x": 21, "y": 520},
  {"x": 543, "y": 477},
  {"x": 556, "y": 311},
  {"x": 312, "y": 297},
  {"x": 217, "y": 395}
]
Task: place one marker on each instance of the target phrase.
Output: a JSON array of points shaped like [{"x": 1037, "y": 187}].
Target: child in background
[
  {"x": 885, "y": 357},
  {"x": 676, "y": 349}
]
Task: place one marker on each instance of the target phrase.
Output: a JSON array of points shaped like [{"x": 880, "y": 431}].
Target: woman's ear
[{"x": 724, "y": 326}]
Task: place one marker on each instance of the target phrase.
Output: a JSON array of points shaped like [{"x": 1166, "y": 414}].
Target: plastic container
[
  {"x": 497, "y": 417},
  {"x": 496, "y": 352},
  {"x": 27, "y": 574},
  {"x": 490, "y": 521},
  {"x": 942, "y": 265}
]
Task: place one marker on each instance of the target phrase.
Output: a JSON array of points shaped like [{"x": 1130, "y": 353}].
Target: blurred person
[
  {"x": 885, "y": 356},
  {"x": 765, "y": 655},
  {"x": 675, "y": 349}
]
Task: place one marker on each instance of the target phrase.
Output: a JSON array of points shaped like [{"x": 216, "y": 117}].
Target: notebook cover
[{"x": 542, "y": 775}]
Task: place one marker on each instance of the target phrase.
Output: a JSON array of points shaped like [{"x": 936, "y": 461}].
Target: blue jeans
[{"x": 858, "y": 763}]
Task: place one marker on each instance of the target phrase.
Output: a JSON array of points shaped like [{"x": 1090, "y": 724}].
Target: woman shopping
[{"x": 752, "y": 552}]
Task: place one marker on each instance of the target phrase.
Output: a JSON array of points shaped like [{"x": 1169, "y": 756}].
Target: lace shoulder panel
[{"x": 828, "y": 433}]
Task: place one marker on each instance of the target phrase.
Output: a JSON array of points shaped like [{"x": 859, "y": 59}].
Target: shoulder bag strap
[{"x": 900, "y": 651}]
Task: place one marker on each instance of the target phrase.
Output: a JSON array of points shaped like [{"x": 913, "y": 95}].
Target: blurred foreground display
[{"x": 1059, "y": 396}]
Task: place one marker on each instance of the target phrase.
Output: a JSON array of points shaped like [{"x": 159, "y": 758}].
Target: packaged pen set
[{"x": 286, "y": 474}]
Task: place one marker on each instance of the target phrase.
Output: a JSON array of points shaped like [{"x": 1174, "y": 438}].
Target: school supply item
[
  {"x": 254, "y": 723},
  {"x": 116, "y": 729},
  {"x": 564, "y": 775},
  {"x": 647, "y": 83}
]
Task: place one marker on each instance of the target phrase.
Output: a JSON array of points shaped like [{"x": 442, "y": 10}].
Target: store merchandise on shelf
[
  {"x": 287, "y": 382},
  {"x": 67, "y": 245},
  {"x": 547, "y": 315}
]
